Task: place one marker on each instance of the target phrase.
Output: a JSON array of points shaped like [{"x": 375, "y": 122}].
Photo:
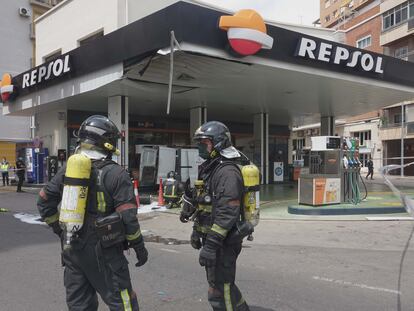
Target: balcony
[
  {"x": 389, "y": 131},
  {"x": 397, "y": 32}
]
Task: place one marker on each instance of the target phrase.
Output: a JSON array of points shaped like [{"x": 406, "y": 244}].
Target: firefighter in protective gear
[
  {"x": 92, "y": 265},
  {"x": 173, "y": 189},
  {"x": 218, "y": 197}
]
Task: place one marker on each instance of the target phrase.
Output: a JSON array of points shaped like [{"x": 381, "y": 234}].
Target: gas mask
[{"x": 203, "y": 150}]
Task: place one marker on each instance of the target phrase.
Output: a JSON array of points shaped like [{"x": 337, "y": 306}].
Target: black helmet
[
  {"x": 217, "y": 132},
  {"x": 100, "y": 132}
]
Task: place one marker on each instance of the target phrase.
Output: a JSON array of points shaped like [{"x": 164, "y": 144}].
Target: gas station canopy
[{"x": 299, "y": 78}]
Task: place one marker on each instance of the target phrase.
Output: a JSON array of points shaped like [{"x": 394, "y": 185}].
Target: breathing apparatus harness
[
  {"x": 249, "y": 205},
  {"x": 77, "y": 185}
]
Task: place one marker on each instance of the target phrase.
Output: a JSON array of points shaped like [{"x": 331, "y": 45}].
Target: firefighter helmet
[
  {"x": 99, "y": 132},
  {"x": 217, "y": 132}
]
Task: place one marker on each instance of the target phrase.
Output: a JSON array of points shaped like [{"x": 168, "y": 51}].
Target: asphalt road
[{"x": 291, "y": 265}]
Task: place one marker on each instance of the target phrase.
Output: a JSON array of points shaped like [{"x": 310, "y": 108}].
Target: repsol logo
[
  {"x": 338, "y": 55},
  {"x": 52, "y": 70}
]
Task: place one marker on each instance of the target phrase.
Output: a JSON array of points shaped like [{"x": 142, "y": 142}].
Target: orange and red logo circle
[
  {"x": 247, "y": 32},
  {"x": 6, "y": 87}
]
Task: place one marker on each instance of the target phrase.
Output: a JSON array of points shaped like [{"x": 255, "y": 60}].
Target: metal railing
[{"x": 396, "y": 161}]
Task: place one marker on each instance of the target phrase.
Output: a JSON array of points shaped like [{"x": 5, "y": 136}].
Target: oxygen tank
[
  {"x": 251, "y": 197},
  {"x": 75, "y": 194}
]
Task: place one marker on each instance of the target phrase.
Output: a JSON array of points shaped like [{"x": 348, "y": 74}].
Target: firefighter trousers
[
  {"x": 223, "y": 294},
  {"x": 91, "y": 270}
]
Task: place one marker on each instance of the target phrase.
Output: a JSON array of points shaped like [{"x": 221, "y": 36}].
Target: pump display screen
[{"x": 333, "y": 143}]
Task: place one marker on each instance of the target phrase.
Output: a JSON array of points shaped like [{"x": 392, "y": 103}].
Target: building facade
[
  {"x": 397, "y": 33},
  {"x": 360, "y": 20},
  {"x": 383, "y": 27},
  {"x": 397, "y": 39},
  {"x": 15, "y": 57}
]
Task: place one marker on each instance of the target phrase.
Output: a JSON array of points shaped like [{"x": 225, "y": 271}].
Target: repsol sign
[
  {"x": 50, "y": 71},
  {"x": 338, "y": 55}
]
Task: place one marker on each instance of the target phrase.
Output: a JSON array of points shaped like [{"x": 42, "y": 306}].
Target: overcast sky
[{"x": 291, "y": 11}]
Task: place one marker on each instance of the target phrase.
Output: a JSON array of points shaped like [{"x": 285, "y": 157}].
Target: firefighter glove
[
  {"x": 208, "y": 254},
  {"x": 195, "y": 240},
  {"x": 56, "y": 228},
  {"x": 142, "y": 254}
]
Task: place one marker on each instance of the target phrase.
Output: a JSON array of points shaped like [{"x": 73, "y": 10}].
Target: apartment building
[
  {"x": 397, "y": 121},
  {"x": 386, "y": 27},
  {"x": 396, "y": 130},
  {"x": 360, "y": 20},
  {"x": 18, "y": 34},
  {"x": 397, "y": 32}
]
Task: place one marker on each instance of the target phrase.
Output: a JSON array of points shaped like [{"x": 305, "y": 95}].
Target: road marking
[
  {"x": 169, "y": 250},
  {"x": 347, "y": 283}
]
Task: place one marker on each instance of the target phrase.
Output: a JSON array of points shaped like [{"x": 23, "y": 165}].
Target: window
[
  {"x": 364, "y": 42},
  {"x": 363, "y": 158},
  {"x": 411, "y": 8},
  {"x": 363, "y": 137},
  {"x": 335, "y": 13},
  {"x": 327, "y": 18},
  {"x": 327, "y": 3},
  {"x": 397, "y": 118},
  {"x": 91, "y": 38},
  {"x": 52, "y": 56},
  {"x": 397, "y": 15},
  {"x": 401, "y": 53}
]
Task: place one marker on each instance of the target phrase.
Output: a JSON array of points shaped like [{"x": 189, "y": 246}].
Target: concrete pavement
[{"x": 292, "y": 265}]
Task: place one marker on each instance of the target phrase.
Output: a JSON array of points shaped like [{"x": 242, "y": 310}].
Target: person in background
[
  {"x": 370, "y": 166},
  {"x": 4, "y": 167},
  {"x": 20, "y": 172}
]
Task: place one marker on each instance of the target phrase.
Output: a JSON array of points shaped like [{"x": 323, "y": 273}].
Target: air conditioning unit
[{"x": 24, "y": 12}]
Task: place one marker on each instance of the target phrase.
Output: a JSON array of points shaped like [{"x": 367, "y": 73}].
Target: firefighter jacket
[
  {"x": 218, "y": 204},
  {"x": 110, "y": 191}
]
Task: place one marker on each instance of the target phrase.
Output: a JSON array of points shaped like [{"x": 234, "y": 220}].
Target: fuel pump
[
  {"x": 351, "y": 170},
  {"x": 334, "y": 172}
]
